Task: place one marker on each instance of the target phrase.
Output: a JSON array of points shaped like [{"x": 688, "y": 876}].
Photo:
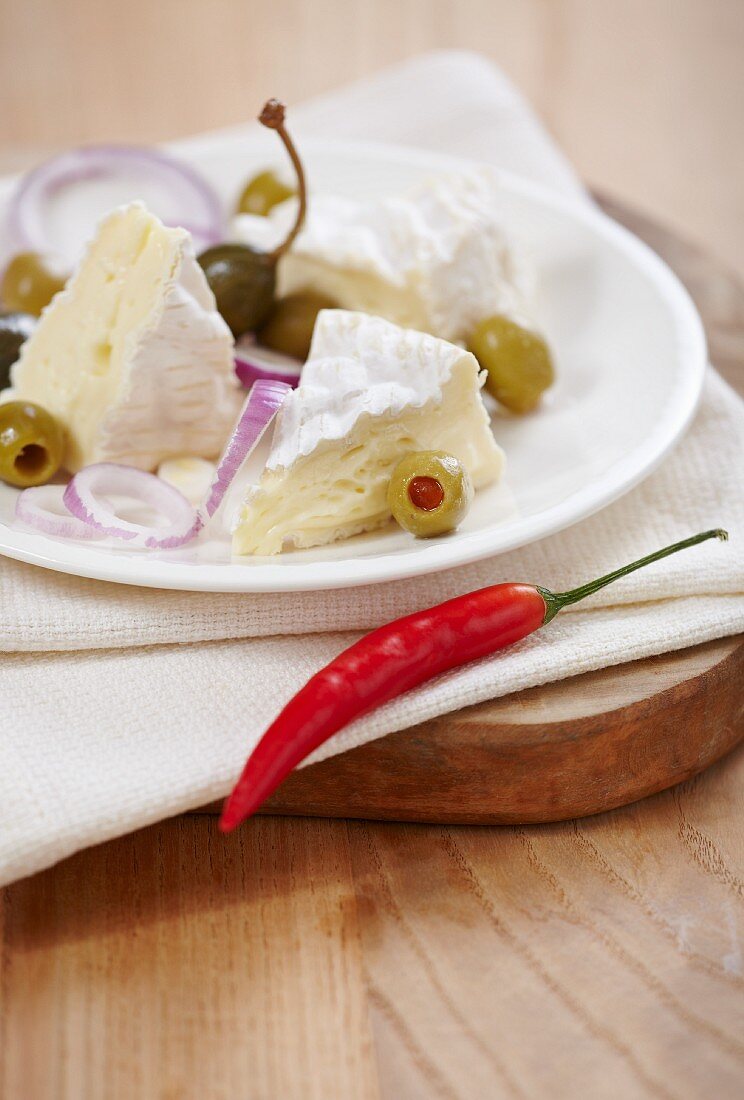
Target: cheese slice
[
  {"x": 437, "y": 259},
  {"x": 132, "y": 357},
  {"x": 370, "y": 393}
]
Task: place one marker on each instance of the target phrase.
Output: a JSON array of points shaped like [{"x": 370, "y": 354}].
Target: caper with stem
[{"x": 243, "y": 279}]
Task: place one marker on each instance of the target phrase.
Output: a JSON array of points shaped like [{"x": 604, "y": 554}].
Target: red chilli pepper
[{"x": 400, "y": 656}]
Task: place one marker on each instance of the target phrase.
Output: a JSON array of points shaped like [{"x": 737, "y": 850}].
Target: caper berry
[
  {"x": 29, "y": 283},
  {"x": 32, "y": 444},
  {"x": 15, "y": 329},
  {"x": 289, "y": 326},
  {"x": 262, "y": 193},
  {"x": 518, "y": 361},
  {"x": 243, "y": 281},
  {"x": 429, "y": 493}
]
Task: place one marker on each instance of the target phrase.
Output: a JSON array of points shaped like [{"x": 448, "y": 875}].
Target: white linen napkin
[{"x": 121, "y": 706}]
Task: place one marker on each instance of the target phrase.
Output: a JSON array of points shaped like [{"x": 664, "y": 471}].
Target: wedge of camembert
[
  {"x": 132, "y": 356},
  {"x": 370, "y": 393},
  {"x": 436, "y": 259}
]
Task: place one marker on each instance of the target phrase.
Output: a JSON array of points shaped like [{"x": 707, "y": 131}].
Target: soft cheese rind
[
  {"x": 437, "y": 259},
  {"x": 132, "y": 357},
  {"x": 370, "y": 393}
]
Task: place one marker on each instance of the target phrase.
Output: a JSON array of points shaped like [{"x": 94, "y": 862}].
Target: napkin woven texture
[{"x": 122, "y": 706}]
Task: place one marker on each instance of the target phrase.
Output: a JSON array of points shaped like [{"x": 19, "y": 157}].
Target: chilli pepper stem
[
  {"x": 556, "y": 601},
  {"x": 272, "y": 116}
]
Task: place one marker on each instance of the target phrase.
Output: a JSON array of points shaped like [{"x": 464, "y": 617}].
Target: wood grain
[
  {"x": 333, "y": 959},
  {"x": 154, "y": 972}
]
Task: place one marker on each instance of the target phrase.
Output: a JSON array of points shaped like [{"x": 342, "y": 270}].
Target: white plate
[{"x": 630, "y": 353}]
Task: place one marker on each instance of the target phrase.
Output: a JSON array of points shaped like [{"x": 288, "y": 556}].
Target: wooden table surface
[
  {"x": 645, "y": 96},
  {"x": 341, "y": 959}
]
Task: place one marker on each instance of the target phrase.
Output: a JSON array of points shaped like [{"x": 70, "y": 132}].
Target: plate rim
[{"x": 624, "y": 475}]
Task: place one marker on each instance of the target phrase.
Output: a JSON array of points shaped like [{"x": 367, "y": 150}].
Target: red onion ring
[
  {"x": 261, "y": 406},
  {"x": 90, "y": 515},
  {"x": 202, "y": 213},
  {"x": 43, "y": 509},
  {"x": 256, "y": 364},
  {"x": 84, "y": 495}
]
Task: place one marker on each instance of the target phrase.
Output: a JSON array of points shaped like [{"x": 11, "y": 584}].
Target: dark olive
[
  {"x": 32, "y": 444},
  {"x": 518, "y": 361},
  {"x": 29, "y": 282},
  {"x": 289, "y": 326},
  {"x": 243, "y": 281},
  {"x": 262, "y": 193},
  {"x": 15, "y": 329}
]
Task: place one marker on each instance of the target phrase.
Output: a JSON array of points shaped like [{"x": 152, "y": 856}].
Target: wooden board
[
  {"x": 582, "y": 745},
  {"x": 569, "y": 749}
]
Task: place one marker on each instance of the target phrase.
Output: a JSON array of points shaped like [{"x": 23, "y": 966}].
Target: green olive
[
  {"x": 518, "y": 361},
  {"x": 262, "y": 193},
  {"x": 430, "y": 493},
  {"x": 289, "y": 326},
  {"x": 243, "y": 281},
  {"x": 15, "y": 329},
  {"x": 32, "y": 444},
  {"x": 29, "y": 283}
]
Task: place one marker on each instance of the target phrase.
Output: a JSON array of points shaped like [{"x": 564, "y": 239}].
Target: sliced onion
[
  {"x": 85, "y": 498},
  {"x": 44, "y": 509},
  {"x": 261, "y": 406},
  {"x": 91, "y": 514},
  {"x": 198, "y": 207},
  {"x": 255, "y": 364}
]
